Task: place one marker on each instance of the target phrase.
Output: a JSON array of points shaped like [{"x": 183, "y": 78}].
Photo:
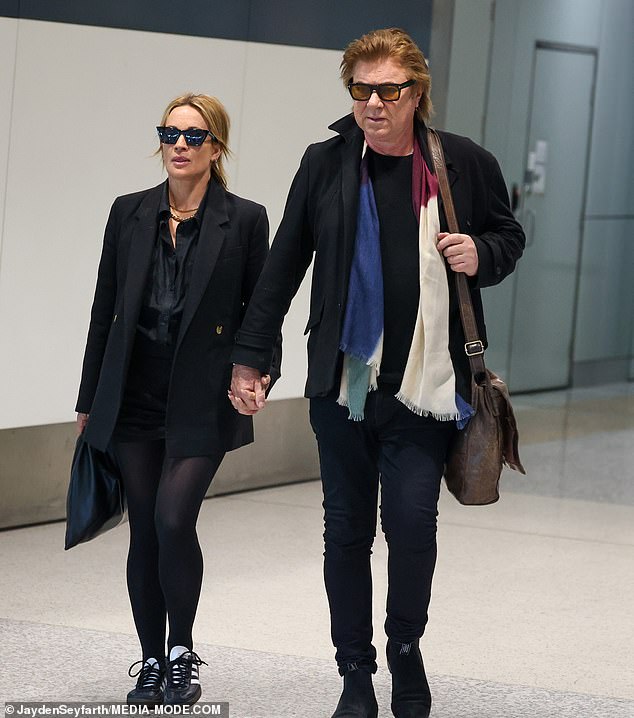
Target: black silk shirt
[
  {"x": 168, "y": 278},
  {"x": 144, "y": 401}
]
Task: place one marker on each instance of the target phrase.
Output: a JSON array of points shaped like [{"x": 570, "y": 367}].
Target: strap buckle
[{"x": 473, "y": 349}]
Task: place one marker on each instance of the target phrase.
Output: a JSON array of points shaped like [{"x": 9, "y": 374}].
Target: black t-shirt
[{"x": 392, "y": 185}]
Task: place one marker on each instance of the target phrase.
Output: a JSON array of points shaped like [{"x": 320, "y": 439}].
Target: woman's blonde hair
[
  {"x": 217, "y": 121},
  {"x": 392, "y": 42}
]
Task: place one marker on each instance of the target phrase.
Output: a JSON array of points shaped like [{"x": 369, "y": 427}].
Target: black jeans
[{"x": 405, "y": 453}]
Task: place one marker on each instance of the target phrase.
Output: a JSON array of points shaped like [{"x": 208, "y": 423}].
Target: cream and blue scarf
[{"x": 428, "y": 386}]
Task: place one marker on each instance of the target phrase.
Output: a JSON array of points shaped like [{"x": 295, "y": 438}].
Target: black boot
[
  {"x": 411, "y": 697},
  {"x": 357, "y": 699}
]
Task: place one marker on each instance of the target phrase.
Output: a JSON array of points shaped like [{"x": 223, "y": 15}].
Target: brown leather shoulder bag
[{"x": 490, "y": 439}]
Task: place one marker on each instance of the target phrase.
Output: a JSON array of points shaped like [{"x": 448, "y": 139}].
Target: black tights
[{"x": 165, "y": 563}]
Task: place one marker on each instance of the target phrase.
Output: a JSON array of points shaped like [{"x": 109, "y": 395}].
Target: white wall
[
  {"x": 8, "y": 42},
  {"x": 82, "y": 112}
]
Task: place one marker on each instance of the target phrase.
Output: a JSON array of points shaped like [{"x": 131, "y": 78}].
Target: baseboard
[
  {"x": 601, "y": 371},
  {"x": 35, "y": 461}
]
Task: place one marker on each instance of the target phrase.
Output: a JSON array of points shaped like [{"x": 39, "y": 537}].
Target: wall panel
[
  {"x": 611, "y": 176},
  {"x": 9, "y": 8},
  {"x": 605, "y": 308},
  {"x": 333, "y": 24},
  {"x": 8, "y": 41},
  {"x": 83, "y": 133},
  {"x": 468, "y": 68},
  {"x": 205, "y": 18}
]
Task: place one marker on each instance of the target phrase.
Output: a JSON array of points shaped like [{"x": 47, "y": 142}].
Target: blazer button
[{"x": 219, "y": 329}]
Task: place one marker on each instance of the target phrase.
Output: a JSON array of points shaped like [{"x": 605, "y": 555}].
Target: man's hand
[
  {"x": 248, "y": 386},
  {"x": 460, "y": 252}
]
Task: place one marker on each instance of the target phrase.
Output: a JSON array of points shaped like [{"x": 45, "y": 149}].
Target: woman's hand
[
  {"x": 248, "y": 389},
  {"x": 460, "y": 252},
  {"x": 82, "y": 420}
]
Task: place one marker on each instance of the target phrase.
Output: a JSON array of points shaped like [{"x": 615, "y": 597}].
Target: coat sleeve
[
  {"x": 285, "y": 267},
  {"x": 502, "y": 242},
  {"x": 101, "y": 316},
  {"x": 258, "y": 251}
]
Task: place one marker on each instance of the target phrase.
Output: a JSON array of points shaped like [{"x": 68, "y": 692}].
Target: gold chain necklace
[{"x": 177, "y": 217}]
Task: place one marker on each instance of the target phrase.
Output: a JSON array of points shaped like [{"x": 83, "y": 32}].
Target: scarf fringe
[
  {"x": 342, "y": 401},
  {"x": 450, "y": 416}
]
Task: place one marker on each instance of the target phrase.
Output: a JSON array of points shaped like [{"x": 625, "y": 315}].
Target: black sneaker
[
  {"x": 150, "y": 684},
  {"x": 183, "y": 684}
]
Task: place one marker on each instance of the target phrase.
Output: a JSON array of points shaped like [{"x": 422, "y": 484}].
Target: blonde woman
[{"x": 178, "y": 266}]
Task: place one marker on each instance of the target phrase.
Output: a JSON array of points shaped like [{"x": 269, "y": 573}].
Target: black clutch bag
[{"x": 95, "y": 502}]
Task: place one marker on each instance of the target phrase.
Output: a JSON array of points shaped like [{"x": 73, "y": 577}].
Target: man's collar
[{"x": 346, "y": 127}]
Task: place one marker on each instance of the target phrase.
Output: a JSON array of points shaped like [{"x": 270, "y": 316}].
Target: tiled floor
[{"x": 531, "y": 613}]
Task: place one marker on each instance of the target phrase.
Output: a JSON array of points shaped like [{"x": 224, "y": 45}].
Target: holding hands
[{"x": 248, "y": 389}]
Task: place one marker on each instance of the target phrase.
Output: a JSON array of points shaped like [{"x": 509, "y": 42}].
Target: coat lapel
[
  {"x": 210, "y": 241},
  {"x": 140, "y": 256},
  {"x": 350, "y": 178},
  {"x": 453, "y": 176}
]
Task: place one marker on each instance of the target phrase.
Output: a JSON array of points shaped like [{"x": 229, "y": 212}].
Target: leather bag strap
[{"x": 474, "y": 348}]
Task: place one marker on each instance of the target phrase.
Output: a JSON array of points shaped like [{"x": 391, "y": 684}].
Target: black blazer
[
  {"x": 232, "y": 247},
  {"x": 320, "y": 219}
]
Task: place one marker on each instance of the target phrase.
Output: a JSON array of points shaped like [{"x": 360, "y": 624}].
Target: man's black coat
[{"x": 320, "y": 219}]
